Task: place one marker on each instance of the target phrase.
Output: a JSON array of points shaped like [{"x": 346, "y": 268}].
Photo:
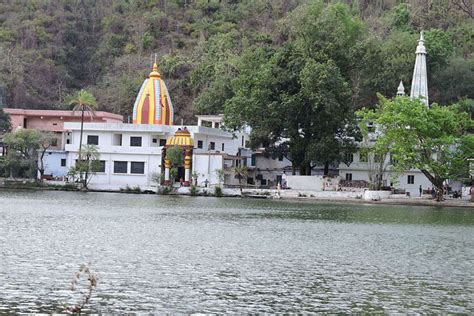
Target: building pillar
[
  {"x": 187, "y": 168},
  {"x": 167, "y": 171}
]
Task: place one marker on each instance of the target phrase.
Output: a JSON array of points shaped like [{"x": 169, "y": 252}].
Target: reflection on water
[{"x": 182, "y": 254}]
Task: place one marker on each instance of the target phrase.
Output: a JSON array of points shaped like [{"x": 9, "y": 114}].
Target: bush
[
  {"x": 193, "y": 190},
  {"x": 136, "y": 189},
  {"x": 163, "y": 190},
  {"x": 128, "y": 189},
  {"x": 218, "y": 191}
]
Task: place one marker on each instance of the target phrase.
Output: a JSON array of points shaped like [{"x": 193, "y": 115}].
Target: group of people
[{"x": 446, "y": 190}]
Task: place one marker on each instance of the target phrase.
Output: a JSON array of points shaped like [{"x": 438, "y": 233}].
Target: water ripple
[{"x": 204, "y": 255}]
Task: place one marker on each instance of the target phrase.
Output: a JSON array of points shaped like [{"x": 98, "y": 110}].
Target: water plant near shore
[{"x": 92, "y": 278}]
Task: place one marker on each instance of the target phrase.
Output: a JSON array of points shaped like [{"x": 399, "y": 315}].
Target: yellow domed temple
[{"x": 153, "y": 103}]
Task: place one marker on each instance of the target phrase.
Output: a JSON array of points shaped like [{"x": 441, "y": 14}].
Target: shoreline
[{"x": 207, "y": 192}]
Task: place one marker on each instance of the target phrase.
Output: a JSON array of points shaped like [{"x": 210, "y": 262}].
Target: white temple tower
[
  {"x": 419, "y": 84},
  {"x": 400, "y": 90}
]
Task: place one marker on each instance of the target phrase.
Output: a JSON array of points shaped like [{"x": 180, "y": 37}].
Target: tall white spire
[
  {"x": 401, "y": 90},
  {"x": 419, "y": 84}
]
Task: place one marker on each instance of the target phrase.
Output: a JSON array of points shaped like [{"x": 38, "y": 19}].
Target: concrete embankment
[{"x": 348, "y": 197}]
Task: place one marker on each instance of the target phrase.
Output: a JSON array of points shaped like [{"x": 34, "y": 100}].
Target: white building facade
[{"x": 131, "y": 155}]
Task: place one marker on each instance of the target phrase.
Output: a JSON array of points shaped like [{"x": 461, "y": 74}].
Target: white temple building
[
  {"x": 134, "y": 155},
  {"x": 362, "y": 166}
]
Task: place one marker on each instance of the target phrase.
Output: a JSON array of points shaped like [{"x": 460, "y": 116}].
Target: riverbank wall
[{"x": 356, "y": 196}]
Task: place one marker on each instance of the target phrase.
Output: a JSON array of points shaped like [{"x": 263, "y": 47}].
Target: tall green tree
[
  {"x": 22, "y": 157},
  {"x": 86, "y": 103},
  {"x": 432, "y": 139},
  {"x": 295, "y": 106}
]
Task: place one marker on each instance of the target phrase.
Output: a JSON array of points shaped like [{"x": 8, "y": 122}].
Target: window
[
  {"x": 349, "y": 158},
  {"x": 253, "y": 160},
  {"x": 154, "y": 141},
  {"x": 162, "y": 142},
  {"x": 199, "y": 143},
  {"x": 100, "y": 166},
  {"x": 279, "y": 179},
  {"x": 363, "y": 156},
  {"x": 25, "y": 122},
  {"x": 117, "y": 140},
  {"x": 243, "y": 143},
  {"x": 92, "y": 140},
  {"x": 411, "y": 179},
  {"x": 54, "y": 142},
  {"x": 349, "y": 176},
  {"x": 137, "y": 167},
  {"x": 68, "y": 141},
  {"x": 120, "y": 166},
  {"x": 63, "y": 162},
  {"x": 216, "y": 125},
  {"x": 55, "y": 124},
  {"x": 222, "y": 146},
  {"x": 135, "y": 141},
  {"x": 212, "y": 146}
]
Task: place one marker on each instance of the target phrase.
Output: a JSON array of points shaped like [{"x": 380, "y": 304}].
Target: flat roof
[
  {"x": 59, "y": 113},
  {"x": 147, "y": 128}
]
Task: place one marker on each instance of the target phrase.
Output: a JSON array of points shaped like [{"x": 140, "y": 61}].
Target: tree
[
  {"x": 5, "y": 123},
  {"x": 87, "y": 167},
  {"x": 375, "y": 155},
  {"x": 175, "y": 156},
  {"x": 45, "y": 142},
  {"x": 22, "y": 157},
  {"x": 296, "y": 107},
  {"x": 432, "y": 139},
  {"x": 85, "y": 102},
  {"x": 241, "y": 173}
]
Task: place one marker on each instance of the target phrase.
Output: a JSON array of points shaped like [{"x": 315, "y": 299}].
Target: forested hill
[{"x": 50, "y": 48}]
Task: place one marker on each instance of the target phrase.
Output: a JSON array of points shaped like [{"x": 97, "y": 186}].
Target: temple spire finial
[
  {"x": 419, "y": 84},
  {"x": 401, "y": 90},
  {"x": 155, "y": 65}
]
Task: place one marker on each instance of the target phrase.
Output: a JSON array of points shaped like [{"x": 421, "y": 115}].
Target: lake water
[{"x": 209, "y": 255}]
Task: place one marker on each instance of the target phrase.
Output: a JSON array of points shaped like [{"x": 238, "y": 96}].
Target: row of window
[
  {"x": 135, "y": 167},
  {"x": 212, "y": 145},
  {"x": 136, "y": 141},
  {"x": 123, "y": 167},
  {"x": 364, "y": 157}
]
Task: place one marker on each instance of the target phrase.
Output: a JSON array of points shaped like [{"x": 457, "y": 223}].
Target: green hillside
[{"x": 206, "y": 49}]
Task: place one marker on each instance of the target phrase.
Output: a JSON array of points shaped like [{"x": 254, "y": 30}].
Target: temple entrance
[
  {"x": 179, "y": 144},
  {"x": 180, "y": 174}
]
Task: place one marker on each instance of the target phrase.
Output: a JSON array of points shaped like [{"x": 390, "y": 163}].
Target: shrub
[
  {"x": 218, "y": 191},
  {"x": 136, "y": 189},
  {"x": 163, "y": 190},
  {"x": 193, "y": 190}
]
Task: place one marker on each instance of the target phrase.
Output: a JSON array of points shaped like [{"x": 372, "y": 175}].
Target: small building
[{"x": 53, "y": 121}]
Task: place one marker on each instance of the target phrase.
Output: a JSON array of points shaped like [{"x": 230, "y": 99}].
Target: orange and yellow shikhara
[{"x": 153, "y": 104}]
